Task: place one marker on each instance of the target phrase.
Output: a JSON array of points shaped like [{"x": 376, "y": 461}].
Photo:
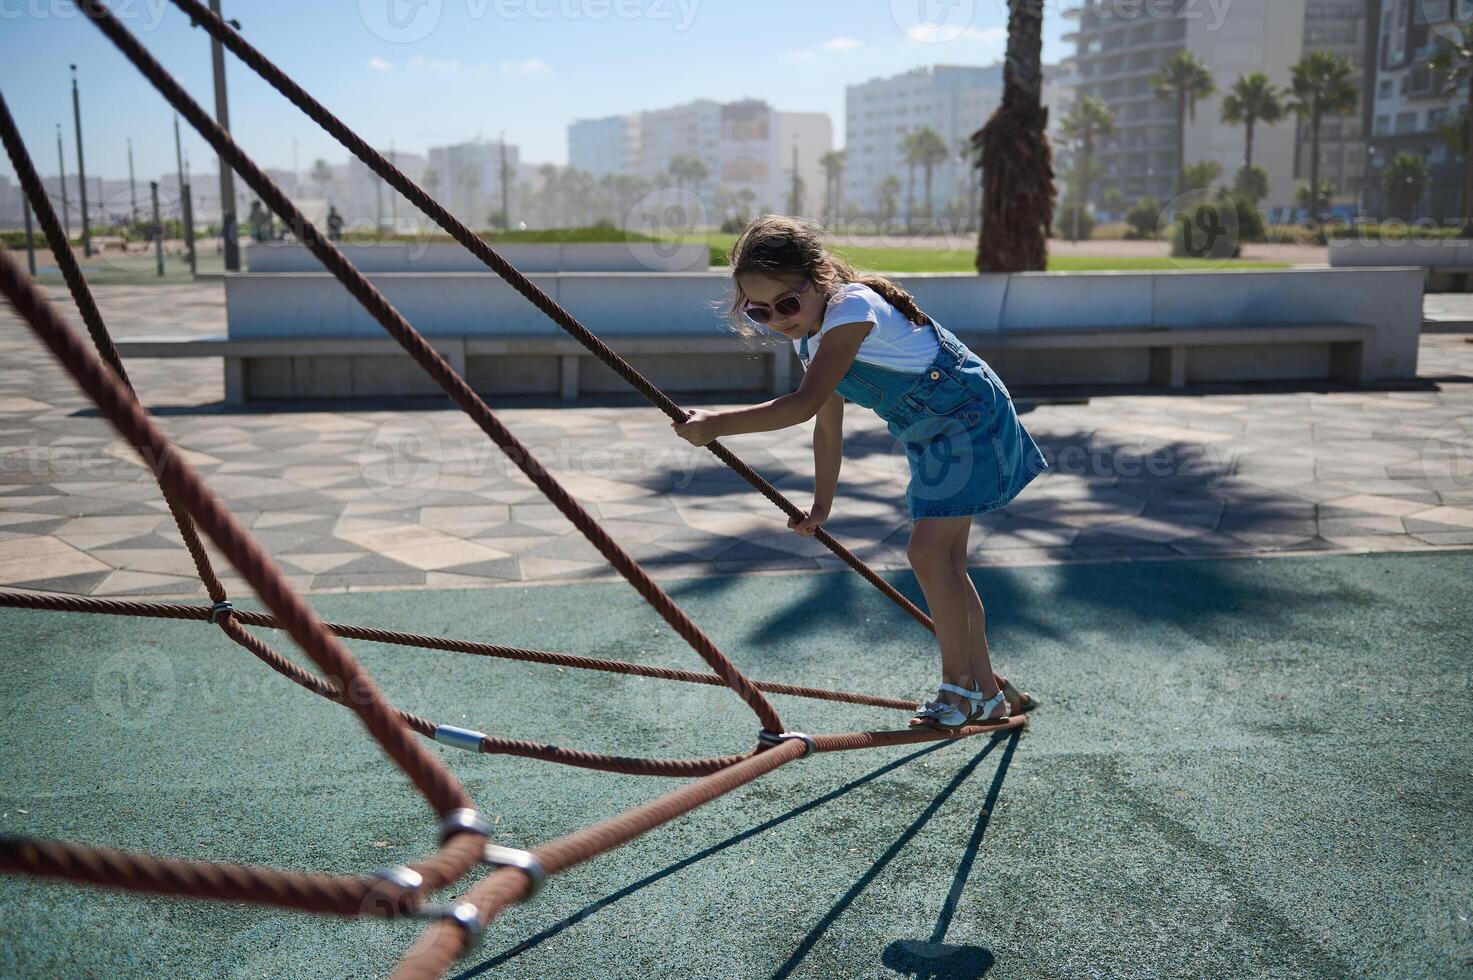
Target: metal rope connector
[
  {"x": 222, "y": 608},
  {"x": 524, "y": 861},
  {"x": 404, "y": 877},
  {"x": 774, "y": 739},
  {"x": 463, "y": 914},
  {"x": 461, "y": 738},
  {"x": 463, "y": 821}
]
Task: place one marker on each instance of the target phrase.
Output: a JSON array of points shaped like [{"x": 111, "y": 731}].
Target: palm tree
[
  {"x": 1323, "y": 82},
  {"x": 889, "y": 187},
  {"x": 1186, "y": 80},
  {"x": 1457, "y": 62},
  {"x": 1403, "y": 181},
  {"x": 911, "y": 151},
  {"x": 469, "y": 182},
  {"x": 1091, "y": 118},
  {"x": 1254, "y": 99},
  {"x": 322, "y": 174},
  {"x": 966, "y": 155},
  {"x": 1016, "y": 161},
  {"x": 832, "y": 163},
  {"x": 931, "y": 152}
]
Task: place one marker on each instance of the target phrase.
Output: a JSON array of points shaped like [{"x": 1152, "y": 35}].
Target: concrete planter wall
[
  {"x": 451, "y": 257},
  {"x": 1448, "y": 262},
  {"x": 300, "y": 334}
]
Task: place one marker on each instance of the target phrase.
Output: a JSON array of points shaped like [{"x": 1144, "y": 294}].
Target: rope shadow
[
  {"x": 906, "y": 952},
  {"x": 595, "y": 907},
  {"x": 934, "y": 959}
]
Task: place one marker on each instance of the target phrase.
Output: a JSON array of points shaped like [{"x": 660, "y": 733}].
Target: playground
[{"x": 304, "y": 689}]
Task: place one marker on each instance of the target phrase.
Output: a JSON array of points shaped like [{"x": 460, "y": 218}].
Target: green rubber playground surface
[{"x": 1253, "y": 768}]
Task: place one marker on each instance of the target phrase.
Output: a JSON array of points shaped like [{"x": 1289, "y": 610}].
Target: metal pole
[
  {"x": 505, "y": 207},
  {"x": 158, "y": 227},
  {"x": 394, "y": 197},
  {"x": 66, "y": 212},
  {"x": 186, "y": 208},
  {"x": 178, "y": 153},
  {"x": 378, "y": 203},
  {"x": 30, "y": 245},
  {"x": 81, "y": 170},
  {"x": 227, "y": 178},
  {"x": 132, "y": 190}
]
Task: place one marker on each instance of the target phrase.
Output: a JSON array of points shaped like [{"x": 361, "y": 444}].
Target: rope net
[{"x": 464, "y": 839}]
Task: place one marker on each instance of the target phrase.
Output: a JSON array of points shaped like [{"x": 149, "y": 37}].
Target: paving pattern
[{"x": 410, "y": 494}]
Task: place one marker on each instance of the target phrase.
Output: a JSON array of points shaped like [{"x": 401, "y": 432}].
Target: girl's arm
[
  {"x": 828, "y": 454},
  {"x": 840, "y": 344},
  {"x": 828, "y": 450}
]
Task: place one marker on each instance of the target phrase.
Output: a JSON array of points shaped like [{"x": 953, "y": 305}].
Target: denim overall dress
[{"x": 967, "y": 450}]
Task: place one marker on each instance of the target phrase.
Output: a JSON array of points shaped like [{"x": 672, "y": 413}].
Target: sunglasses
[{"x": 785, "y": 305}]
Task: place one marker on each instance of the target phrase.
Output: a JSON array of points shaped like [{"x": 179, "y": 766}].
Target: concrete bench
[
  {"x": 327, "y": 367},
  {"x": 1176, "y": 356}
]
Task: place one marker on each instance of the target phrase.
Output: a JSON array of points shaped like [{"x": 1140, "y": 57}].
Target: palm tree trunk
[
  {"x": 1014, "y": 156},
  {"x": 1248, "y": 162},
  {"x": 1467, "y": 231},
  {"x": 1181, "y": 143},
  {"x": 1314, "y": 164}
]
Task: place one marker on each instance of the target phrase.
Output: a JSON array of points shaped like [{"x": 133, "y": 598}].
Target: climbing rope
[{"x": 463, "y": 834}]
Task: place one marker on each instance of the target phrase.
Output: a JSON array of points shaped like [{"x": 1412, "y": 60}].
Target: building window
[{"x": 1406, "y": 122}]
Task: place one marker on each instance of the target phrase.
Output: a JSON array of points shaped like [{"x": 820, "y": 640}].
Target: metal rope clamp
[
  {"x": 222, "y": 608},
  {"x": 773, "y": 739},
  {"x": 524, "y": 861},
  {"x": 463, "y": 914}
]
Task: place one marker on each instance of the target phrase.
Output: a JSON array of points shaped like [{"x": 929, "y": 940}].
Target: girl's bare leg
[
  {"x": 955, "y": 607},
  {"x": 980, "y": 659}
]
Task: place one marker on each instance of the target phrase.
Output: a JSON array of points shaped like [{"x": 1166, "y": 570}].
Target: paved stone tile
[{"x": 1137, "y": 477}]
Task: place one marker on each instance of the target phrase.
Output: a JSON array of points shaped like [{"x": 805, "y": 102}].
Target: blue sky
[{"x": 425, "y": 72}]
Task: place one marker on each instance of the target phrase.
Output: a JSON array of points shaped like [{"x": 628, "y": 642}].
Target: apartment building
[
  {"x": 466, "y": 178},
  {"x": 745, "y": 145},
  {"x": 953, "y": 100},
  {"x": 1119, "y": 49},
  {"x": 1411, "y": 105}
]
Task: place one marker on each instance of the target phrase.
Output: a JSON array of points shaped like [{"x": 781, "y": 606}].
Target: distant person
[
  {"x": 260, "y": 222},
  {"x": 334, "y": 224},
  {"x": 967, "y": 450}
]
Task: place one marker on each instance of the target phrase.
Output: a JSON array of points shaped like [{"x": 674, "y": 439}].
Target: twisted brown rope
[
  {"x": 428, "y": 358},
  {"x": 30, "y": 183},
  {"x": 201, "y": 15},
  {"x": 60, "y": 602},
  {"x": 120, "y": 406}
]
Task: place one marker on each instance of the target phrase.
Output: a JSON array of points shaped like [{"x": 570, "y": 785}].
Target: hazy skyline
[{"x": 431, "y": 72}]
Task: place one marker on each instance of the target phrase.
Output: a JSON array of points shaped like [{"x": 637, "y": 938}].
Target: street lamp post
[
  {"x": 227, "y": 178},
  {"x": 81, "y": 169},
  {"x": 132, "y": 188},
  {"x": 66, "y": 212}
]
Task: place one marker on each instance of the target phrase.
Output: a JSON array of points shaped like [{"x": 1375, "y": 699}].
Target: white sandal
[{"x": 948, "y": 717}]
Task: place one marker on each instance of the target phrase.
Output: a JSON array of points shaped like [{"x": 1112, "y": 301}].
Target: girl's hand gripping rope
[{"x": 699, "y": 428}]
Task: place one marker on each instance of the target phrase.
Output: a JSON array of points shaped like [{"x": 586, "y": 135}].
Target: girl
[{"x": 863, "y": 339}]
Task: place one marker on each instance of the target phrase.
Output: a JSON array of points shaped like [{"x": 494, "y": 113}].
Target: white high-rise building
[
  {"x": 604, "y": 147},
  {"x": 746, "y": 148},
  {"x": 1117, "y": 55},
  {"x": 466, "y": 178},
  {"x": 953, "y": 100}
]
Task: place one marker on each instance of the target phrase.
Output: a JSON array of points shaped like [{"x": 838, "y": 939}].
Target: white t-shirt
[{"x": 893, "y": 342}]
